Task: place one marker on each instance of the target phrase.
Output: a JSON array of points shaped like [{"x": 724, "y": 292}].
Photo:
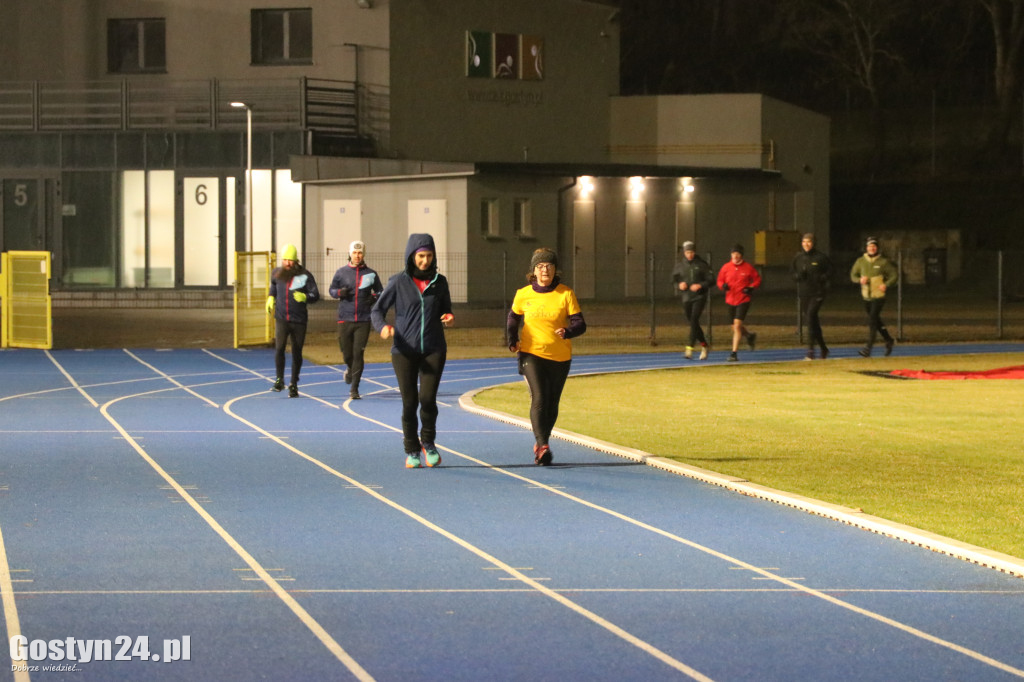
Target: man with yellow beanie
[{"x": 292, "y": 289}]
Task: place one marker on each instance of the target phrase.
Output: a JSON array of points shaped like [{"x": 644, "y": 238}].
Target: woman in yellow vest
[{"x": 549, "y": 315}]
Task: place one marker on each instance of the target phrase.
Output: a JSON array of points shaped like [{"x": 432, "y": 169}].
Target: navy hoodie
[
  {"x": 418, "y": 328},
  {"x": 284, "y": 284}
]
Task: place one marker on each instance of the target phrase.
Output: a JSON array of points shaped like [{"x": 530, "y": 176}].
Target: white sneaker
[
  {"x": 689, "y": 353},
  {"x": 704, "y": 353}
]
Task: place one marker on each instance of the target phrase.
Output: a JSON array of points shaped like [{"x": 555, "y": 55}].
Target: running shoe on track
[{"x": 433, "y": 456}]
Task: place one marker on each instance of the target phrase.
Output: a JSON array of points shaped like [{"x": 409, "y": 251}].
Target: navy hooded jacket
[
  {"x": 363, "y": 286},
  {"x": 284, "y": 284},
  {"x": 418, "y": 328}
]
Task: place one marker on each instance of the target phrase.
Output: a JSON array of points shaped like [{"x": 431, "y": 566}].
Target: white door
[
  {"x": 583, "y": 248},
  {"x": 201, "y": 243},
  {"x": 636, "y": 248},
  {"x": 343, "y": 224}
]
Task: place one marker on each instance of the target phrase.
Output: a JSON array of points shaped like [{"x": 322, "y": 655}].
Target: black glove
[
  {"x": 748, "y": 290},
  {"x": 343, "y": 292}
]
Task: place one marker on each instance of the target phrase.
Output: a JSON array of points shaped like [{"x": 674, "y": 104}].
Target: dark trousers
[
  {"x": 693, "y": 310},
  {"x": 282, "y": 331},
  {"x": 812, "y": 305},
  {"x": 352, "y": 338},
  {"x": 418, "y": 379},
  {"x": 546, "y": 379},
  {"x": 875, "y": 324}
]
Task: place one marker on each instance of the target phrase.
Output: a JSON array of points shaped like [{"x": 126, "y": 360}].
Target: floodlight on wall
[
  {"x": 364, "y": 4},
  {"x": 586, "y": 186},
  {"x": 636, "y": 187},
  {"x": 686, "y": 186}
]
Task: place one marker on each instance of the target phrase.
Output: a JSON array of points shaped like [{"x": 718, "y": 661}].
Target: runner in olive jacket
[{"x": 875, "y": 273}]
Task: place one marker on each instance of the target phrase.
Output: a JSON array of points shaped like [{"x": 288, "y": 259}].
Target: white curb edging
[{"x": 853, "y": 517}]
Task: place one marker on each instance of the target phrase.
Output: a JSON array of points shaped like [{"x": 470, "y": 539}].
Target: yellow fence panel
[
  {"x": 27, "y": 315},
  {"x": 253, "y": 326}
]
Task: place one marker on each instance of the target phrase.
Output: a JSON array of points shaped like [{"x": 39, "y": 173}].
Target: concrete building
[{"x": 497, "y": 127}]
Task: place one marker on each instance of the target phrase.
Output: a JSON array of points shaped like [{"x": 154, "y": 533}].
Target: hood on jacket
[{"x": 416, "y": 242}]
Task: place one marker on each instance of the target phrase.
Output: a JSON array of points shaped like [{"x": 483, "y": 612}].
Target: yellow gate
[
  {"x": 253, "y": 326},
  {"x": 25, "y": 315}
]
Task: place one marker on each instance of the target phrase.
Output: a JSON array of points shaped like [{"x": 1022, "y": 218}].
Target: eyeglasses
[{"x": 545, "y": 266}]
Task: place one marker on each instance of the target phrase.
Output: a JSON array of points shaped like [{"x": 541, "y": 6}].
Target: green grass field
[{"x": 943, "y": 456}]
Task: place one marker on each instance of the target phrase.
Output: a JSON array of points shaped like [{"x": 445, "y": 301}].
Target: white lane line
[
  {"x": 71, "y": 379},
  {"x": 790, "y": 582},
  {"x": 318, "y": 630},
  {"x": 644, "y": 646},
  {"x": 11, "y": 621},
  {"x": 170, "y": 378}
]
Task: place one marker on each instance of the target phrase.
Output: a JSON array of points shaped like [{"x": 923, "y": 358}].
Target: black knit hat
[
  {"x": 737, "y": 248},
  {"x": 543, "y": 256}
]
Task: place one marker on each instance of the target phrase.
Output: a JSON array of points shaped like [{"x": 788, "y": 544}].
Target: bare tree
[
  {"x": 1007, "y": 18},
  {"x": 855, "y": 43}
]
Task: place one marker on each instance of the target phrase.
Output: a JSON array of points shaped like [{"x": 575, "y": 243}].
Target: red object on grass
[{"x": 1016, "y": 372}]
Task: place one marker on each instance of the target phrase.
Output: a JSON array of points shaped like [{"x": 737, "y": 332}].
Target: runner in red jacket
[{"x": 738, "y": 279}]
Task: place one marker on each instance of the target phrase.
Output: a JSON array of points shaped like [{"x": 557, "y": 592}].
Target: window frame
[
  {"x": 149, "y": 31},
  {"x": 522, "y": 218},
  {"x": 490, "y": 218},
  {"x": 263, "y": 53}
]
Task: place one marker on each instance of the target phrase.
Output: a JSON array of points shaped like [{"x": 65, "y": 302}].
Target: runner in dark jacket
[
  {"x": 356, "y": 286},
  {"x": 812, "y": 271},
  {"x": 423, "y": 307},
  {"x": 292, "y": 289},
  {"x": 694, "y": 278}
]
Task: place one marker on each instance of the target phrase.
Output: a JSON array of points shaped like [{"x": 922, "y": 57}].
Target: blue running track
[{"x": 161, "y": 505}]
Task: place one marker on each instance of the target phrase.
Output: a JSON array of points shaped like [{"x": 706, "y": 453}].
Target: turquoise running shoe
[
  {"x": 433, "y": 456},
  {"x": 412, "y": 461}
]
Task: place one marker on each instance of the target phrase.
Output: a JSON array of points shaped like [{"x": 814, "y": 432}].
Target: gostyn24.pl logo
[{"x": 71, "y": 651}]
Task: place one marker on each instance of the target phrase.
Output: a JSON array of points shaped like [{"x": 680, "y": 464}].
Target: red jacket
[{"x": 736, "y": 278}]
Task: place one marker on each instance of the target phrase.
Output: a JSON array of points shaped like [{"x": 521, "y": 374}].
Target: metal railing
[{"x": 310, "y": 104}]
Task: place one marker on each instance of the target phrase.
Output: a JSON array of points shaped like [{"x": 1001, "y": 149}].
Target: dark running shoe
[
  {"x": 733, "y": 357},
  {"x": 824, "y": 353},
  {"x": 864, "y": 352},
  {"x": 543, "y": 457},
  {"x": 354, "y": 395},
  {"x": 293, "y": 391},
  {"x": 888, "y": 347},
  {"x": 752, "y": 339},
  {"x": 278, "y": 385}
]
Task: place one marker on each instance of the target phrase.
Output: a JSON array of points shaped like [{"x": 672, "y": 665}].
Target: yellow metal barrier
[
  {"x": 253, "y": 326},
  {"x": 26, "y": 316}
]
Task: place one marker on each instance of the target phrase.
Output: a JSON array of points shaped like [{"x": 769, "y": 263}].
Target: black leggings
[
  {"x": 426, "y": 370},
  {"x": 282, "y": 331},
  {"x": 875, "y": 324},
  {"x": 812, "y": 305},
  {"x": 546, "y": 379},
  {"x": 693, "y": 309},
  {"x": 352, "y": 338}
]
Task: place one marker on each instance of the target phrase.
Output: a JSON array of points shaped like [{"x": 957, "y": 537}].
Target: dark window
[
  {"x": 282, "y": 36},
  {"x": 136, "y": 46}
]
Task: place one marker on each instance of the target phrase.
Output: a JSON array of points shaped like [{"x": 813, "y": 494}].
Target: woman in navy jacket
[{"x": 423, "y": 307}]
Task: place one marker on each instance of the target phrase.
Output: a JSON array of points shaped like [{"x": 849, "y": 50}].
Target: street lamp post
[{"x": 248, "y": 168}]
